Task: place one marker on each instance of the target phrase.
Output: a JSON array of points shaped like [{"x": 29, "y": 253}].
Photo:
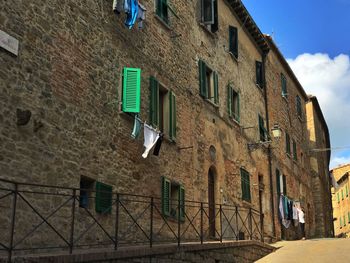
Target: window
[
  {"x": 209, "y": 15},
  {"x": 346, "y": 191},
  {"x": 86, "y": 189},
  {"x": 284, "y": 180},
  {"x": 295, "y": 154},
  {"x": 233, "y": 106},
  {"x": 342, "y": 194},
  {"x": 208, "y": 82},
  {"x": 162, "y": 10},
  {"x": 173, "y": 195},
  {"x": 103, "y": 199},
  {"x": 287, "y": 144},
  {"x": 233, "y": 41},
  {"x": 338, "y": 197},
  {"x": 262, "y": 129},
  {"x": 131, "y": 90},
  {"x": 278, "y": 182},
  {"x": 344, "y": 220},
  {"x": 284, "y": 86},
  {"x": 298, "y": 104},
  {"x": 245, "y": 180},
  {"x": 348, "y": 217},
  {"x": 259, "y": 74},
  {"x": 340, "y": 223},
  {"x": 162, "y": 108}
]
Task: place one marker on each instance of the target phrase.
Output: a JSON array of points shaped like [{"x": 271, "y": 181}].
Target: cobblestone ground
[{"x": 314, "y": 250}]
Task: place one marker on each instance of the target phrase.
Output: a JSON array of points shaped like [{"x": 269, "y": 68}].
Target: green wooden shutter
[
  {"x": 229, "y": 100},
  {"x": 162, "y": 10},
  {"x": 346, "y": 191},
  {"x": 278, "y": 183},
  {"x": 341, "y": 225},
  {"x": 233, "y": 39},
  {"x": 215, "y": 26},
  {"x": 238, "y": 115},
  {"x": 202, "y": 79},
  {"x": 295, "y": 155},
  {"x": 166, "y": 187},
  {"x": 258, "y": 68},
  {"x": 287, "y": 143},
  {"x": 245, "y": 182},
  {"x": 103, "y": 199},
  {"x": 182, "y": 203},
  {"x": 284, "y": 185},
  {"x": 262, "y": 130},
  {"x": 131, "y": 90},
  {"x": 284, "y": 85},
  {"x": 154, "y": 102},
  {"x": 348, "y": 217},
  {"x": 338, "y": 197},
  {"x": 172, "y": 116},
  {"x": 342, "y": 194},
  {"x": 344, "y": 220},
  {"x": 216, "y": 88}
]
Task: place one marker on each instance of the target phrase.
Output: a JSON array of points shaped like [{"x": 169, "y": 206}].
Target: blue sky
[{"x": 314, "y": 36}]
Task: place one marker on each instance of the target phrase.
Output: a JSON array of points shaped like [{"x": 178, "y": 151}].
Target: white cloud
[
  {"x": 336, "y": 161},
  {"x": 329, "y": 80}
]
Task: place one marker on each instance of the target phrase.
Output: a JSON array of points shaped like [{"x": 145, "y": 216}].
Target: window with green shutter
[
  {"x": 284, "y": 86},
  {"x": 103, "y": 199},
  {"x": 182, "y": 203},
  {"x": 209, "y": 14},
  {"x": 162, "y": 109},
  {"x": 166, "y": 188},
  {"x": 340, "y": 223},
  {"x": 233, "y": 101},
  {"x": 284, "y": 178},
  {"x": 287, "y": 144},
  {"x": 245, "y": 183},
  {"x": 131, "y": 90},
  {"x": 162, "y": 10},
  {"x": 233, "y": 41},
  {"x": 342, "y": 194},
  {"x": 262, "y": 129},
  {"x": 208, "y": 83},
  {"x": 278, "y": 182},
  {"x": 295, "y": 154},
  {"x": 298, "y": 105},
  {"x": 338, "y": 197},
  {"x": 346, "y": 190},
  {"x": 344, "y": 220},
  {"x": 348, "y": 217},
  {"x": 259, "y": 74}
]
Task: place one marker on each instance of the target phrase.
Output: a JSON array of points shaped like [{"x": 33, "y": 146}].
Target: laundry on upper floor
[
  {"x": 135, "y": 12},
  {"x": 150, "y": 136}
]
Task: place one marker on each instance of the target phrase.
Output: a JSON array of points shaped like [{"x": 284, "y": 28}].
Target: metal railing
[{"x": 41, "y": 218}]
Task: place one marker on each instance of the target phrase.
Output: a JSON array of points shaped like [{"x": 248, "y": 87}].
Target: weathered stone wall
[{"x": 282, "y": 111}]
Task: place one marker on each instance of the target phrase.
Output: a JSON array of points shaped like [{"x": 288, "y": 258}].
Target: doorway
[{"x": 211, "y": 201}]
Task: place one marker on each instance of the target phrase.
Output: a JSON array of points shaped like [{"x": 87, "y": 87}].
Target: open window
[
  {"x": 245, "y": 183},
  {"x": 103, "y": 199},
  {"x": 284, "y": 86},
  {"x": 233, "y": 103},
  {"x": 162, "y": 108},
  {"x": 233, "y": 41},
  {"x": 208, "y": 81},
  {"x": 259, "y": 74},
  {"x": 173, "y": 199},
  {"x": 262, "y": 130},
  {"x": 86, "y": 191},
  {"x": 209, "y": 14}
]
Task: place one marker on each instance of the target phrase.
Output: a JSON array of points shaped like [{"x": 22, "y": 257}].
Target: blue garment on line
[{"x": 132, "y": 14}]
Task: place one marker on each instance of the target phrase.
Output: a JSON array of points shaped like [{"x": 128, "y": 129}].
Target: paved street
[{"x": 313, "y": 250}]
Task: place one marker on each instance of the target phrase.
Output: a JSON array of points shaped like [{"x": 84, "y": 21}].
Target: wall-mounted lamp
[
  {"x": 276, "y": 134},
  {"x": 276, "y": 131}
]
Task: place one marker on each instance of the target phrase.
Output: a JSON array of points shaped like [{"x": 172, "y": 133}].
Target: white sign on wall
[{"x": 9, "y": 43}]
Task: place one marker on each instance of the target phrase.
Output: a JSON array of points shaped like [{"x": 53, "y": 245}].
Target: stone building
[
  {"x": 290, "y": 171},
  {"x": 195, "y": 72},
  {"x": 340, "y": 200},
  {"x": 319, "y": 153}
]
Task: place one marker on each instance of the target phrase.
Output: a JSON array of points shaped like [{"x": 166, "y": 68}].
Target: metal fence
[{"x": 40, "y": 218}]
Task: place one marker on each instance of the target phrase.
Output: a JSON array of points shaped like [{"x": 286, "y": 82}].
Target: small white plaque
[{"x": 9, "y": 43}]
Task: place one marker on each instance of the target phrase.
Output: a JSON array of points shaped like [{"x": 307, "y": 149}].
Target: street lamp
[{"x": 276, "y": 134}]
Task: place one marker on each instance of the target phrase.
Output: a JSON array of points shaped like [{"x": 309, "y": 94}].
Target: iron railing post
[
  {"x": 220, "y": 223},
  {"x": 201, "y": 222},
  {"x": 116, "y": 222},
  {"x": 250, "y": 224},
  {"x": 13, "y": 218},
  {"x": 71, "y": 242},
  {"x": 151, "y": 226},
  {"x": 178, "y": 223},
  {"x": 237, "y": 233}
]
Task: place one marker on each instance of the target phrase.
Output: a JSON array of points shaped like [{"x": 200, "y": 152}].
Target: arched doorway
[{"x": 211, "y": 201}]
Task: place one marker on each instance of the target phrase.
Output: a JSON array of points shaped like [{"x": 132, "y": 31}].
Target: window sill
[
  {"x": 285, "y": 98},
  {"x": 204, "y": 26},
  {"x": 246, "y": 203},
  {"x": 233, "y": 57},
  {"x": 300, "y": 118},
  {"x": 165, "y": 24},
  {"x": 212, "y": 103}
]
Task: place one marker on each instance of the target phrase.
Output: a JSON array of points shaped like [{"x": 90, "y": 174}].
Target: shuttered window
[
  {"x": 340, "y": 223},
  {"x": 346, "y": 191},
  {"x": 209, "y": 14},
  {"x": 298, "y": 105},
  {"x": 295, "y": 154},
  {"x": 262, "y": 129},
  {"x": 284, "y": 86},
  {"x": 103, "y": 199},
  {"x": 154, "y": 102},
  {"x": 233, "y": 41},
  {"x": 284, "y": 178},
  {"x": 245, "y": 182},
  {"x": 338, "y": 197},
  {"x": 162, "y": 10},
  {"x": 233, "y": 103},
  {"x": 172, "y": 116},
  {"x": 166, "y": 188},
  {"x": 259, "y": 74},
  {"x": 182, "y": 203},
  {"x": 287, "y": 144},
  {"x": 342, "y": 194},
  {"x": 208, "y": 83},
  {"x": 278, "y": 182},
  {"x": 348, "y": 217},
  {"x": 131, "y": 90},
  {"x": 344, "y": 220}
]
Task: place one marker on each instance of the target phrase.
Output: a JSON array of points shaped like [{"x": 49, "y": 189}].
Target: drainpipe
[{"x": 269, "y": 152}]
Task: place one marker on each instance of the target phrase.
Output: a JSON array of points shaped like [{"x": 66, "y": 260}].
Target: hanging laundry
[
  {"x": 285, "y": 206},
  {"x": 290, "y": 210},
  {"x": 141, "y": 15},
  {"x": 158, "y": 144},
  {"x": 137, "y": 127},
  {"x": 118, "y": 6},
  {"x": 132, "y": 14},
  {"x": 281, "y": 210},
  {"x": 127, "y": 4},
  {"x": 151, "y": 137},
  {"x": 295, "y": 211},
  {"x": 286, "y": 223}
]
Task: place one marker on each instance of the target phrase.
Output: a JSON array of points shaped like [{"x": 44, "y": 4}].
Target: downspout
[{"x": 269, "y": 152}]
